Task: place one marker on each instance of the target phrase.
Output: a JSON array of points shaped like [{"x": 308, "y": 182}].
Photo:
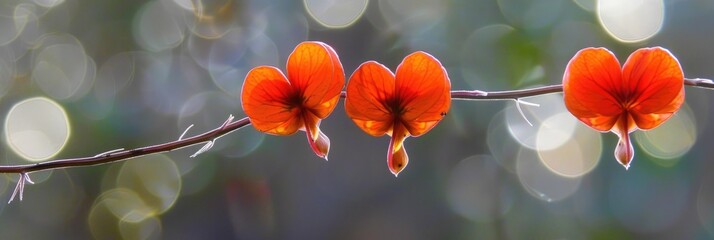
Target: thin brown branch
[
  {"x": 115, "y": 156},
  {"x": 230, "y": 126}
]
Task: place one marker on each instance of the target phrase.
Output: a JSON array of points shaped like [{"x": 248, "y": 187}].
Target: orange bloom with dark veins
[
  {"x": 643, "y": 94},
  {"x": 409, "y": 103},
  {"x": 282, "y": 105}
]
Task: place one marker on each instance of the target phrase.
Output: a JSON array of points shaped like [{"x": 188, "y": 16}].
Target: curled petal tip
[
  {"x": 624, "y": 152},
  {"x": 397, "y": 160},
  {"x": 321, "y": 145}
]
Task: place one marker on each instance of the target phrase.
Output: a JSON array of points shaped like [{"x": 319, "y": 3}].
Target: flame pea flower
[
  {"x": 281, "y": 106},
  {"x": 643, "y": 94},
  {"x": 409, "y": 103}
]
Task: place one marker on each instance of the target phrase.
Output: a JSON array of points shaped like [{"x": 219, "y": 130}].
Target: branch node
[{"x": 211, "y": 142}]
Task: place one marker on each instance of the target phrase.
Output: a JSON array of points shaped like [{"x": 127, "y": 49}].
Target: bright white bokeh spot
[
  {"x": 555, "y": 131},
  {"x": 672, "y": 139},
  {"x": 37, "y": 128},
  {"x": 336, "y": 14},
  {"x": 524, "y": 133},
  {"x": 155, "y": 29},
  {"x": 540, "y": 181},
  {"x": 573, "y": 155},
  {"x": 632, "y": 20}
]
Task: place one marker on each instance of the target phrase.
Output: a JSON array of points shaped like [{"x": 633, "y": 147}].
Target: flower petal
[
  {"x": 265, "y": 99},
  {"x": 316, "y": 72},
  {"x": 423, "y": 88},
  {"x": 593, "y": 88},
  {"x": 397, "y": 158},
  {"x": 624, "y": 152},
  {"x": 369, "y": 93},
  {"x": 319, "y": 142},
  {"x": 655, "y": 83}
]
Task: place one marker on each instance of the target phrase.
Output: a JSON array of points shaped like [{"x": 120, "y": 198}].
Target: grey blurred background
[{"x": 80, "y": 77}]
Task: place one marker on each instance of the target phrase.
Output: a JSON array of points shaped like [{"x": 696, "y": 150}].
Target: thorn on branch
[
  {"x": 210, "y": 143},
  {"x": 184, "y": 132},
  {"x": 20, "y": 187},
  {"x": 520, "y": 110},
  {"x": 107, "y": 153}
]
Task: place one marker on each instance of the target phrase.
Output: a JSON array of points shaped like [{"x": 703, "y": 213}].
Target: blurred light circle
[
  {"x": 169, "y": 80},
  {"x": 568, "y": 37},
  {"x": 705, "y": 204},
  {"x": 540, "y": 181},
  {"x": 212, "y": 19},
  {"x": 259, "y": 50},
  {"x": 555, "y": 131},
  {"x": 56, "y": 200},
  {"x": 550, "y": 105},
  {"x": 503, "y": 147},
  {"x": 4, "y": 186},
  {"x": 411, "y": 15},
  {"x": 185, "y": 4},
  {"x": 531, "y": 14},
  {"x": 13, "y": 19},
  {"x": 48, "y": 3},
  {"x": 37, "y": 128},
  {"x": 631, "y": 21},
  {"x": 148, "y": 228},
  {"x": 7, "y": 72},
  {"x": 474, "y": 190},
  {"x": 126, "y": 205},
  {"x": 197, "y": 175},
  {"x": 587, "y": 5},
  {"x": 672, "y": 139},
  {"x": 113, "y": 76},
  {"x": 60, "y": 70},
  {"x": 218, "y": 54},
  {"x": 336, "y": 14},
  {"x": 156, "y": 29},
  {"x": 112, "y": 206},
  {"x": 571, "y": 156},
  {"x": 283, "y": 28},
  {"x": 156, "y": 181}
]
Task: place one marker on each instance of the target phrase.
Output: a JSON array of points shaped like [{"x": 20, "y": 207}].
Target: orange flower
[
  {"x": 408, "y": 104},
  {"x": 281, "y": 106},
  {"x": 642, "y": 95}
]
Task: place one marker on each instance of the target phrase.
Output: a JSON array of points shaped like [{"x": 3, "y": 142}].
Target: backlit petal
[
  {"x": 369, "y": 91},
  {"x": 319, "y": 142},
  {"x": 655, "y": 82},
  {"x": 397, "y": 158},
  {"x": 592, "y": 88},
  {"x": 316, "y": 72},
  {"x": 624, "y": 152},
  {"x": 423, "y": 89},
  {"x": 264, "y": 100}
]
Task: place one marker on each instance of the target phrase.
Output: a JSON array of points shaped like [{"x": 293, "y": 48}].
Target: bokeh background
[{"x": 81, "y": 77}]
